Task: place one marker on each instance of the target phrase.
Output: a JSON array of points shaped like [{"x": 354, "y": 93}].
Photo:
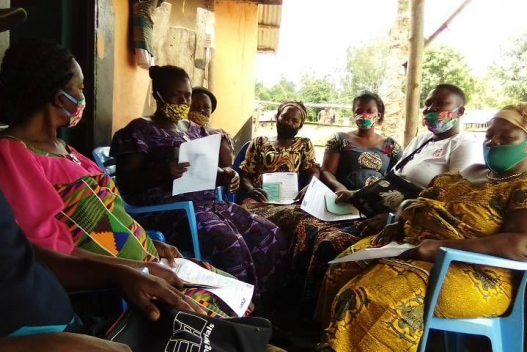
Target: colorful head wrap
[
  {"x": 296, "y": 104},
  {"x": 515, "y": 114}
]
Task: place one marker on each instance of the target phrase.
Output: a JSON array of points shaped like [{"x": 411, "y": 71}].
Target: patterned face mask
[
  {"x": 76, "y": 116},
  {"x": 172, "y": 112},
  {"x": 366, "y": 121},
  {"x": 441, "y": 121},
  {"x": 199, "y": 118}
]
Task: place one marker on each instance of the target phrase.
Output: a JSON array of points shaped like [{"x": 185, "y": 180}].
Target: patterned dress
[
  {"x": 318, "y": 242},
  {"x": 243, "y": 244},
  {"x": 65, "y": 202},
  {"x": 379, "y": 304}
]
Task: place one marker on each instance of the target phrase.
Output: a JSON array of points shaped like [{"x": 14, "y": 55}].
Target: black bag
[
  {"x": 385, "y": 195},
  {"x": 178, "y": 331}
]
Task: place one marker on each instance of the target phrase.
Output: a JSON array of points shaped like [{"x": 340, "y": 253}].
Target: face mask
[
  {"x": 440, "y": 122},
  {"x": 172, "y": 112},
  {"x": 199, "y": 118},
  {"x": 285, "y": 131},
  {"x": 503, "y": 158},
  {"x": 76, "y": 116},
  {"x": 366, "y": 121}
]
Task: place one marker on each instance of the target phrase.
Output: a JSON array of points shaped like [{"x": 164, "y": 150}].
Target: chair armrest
[{"x": 457, "y": 255}]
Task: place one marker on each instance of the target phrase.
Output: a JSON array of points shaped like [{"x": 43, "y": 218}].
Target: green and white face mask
[{"x": 503, "y": 158}]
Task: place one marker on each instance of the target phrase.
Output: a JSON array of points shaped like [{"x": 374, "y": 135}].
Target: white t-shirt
[{"x": 439, "y": 157}]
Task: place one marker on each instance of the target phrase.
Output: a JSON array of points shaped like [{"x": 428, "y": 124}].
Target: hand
[
  {"x": 391, "y": 232},
  {"x": 372, "y": 226},
  {"x": 344, "y": 196},
  {"x": 164, "y": 272},
  {"x": 61, "y": 342},
  {"x": 177, "y": 169},
  {"x": 426, "y": 251},
  {"x": 230, "y": 178},
  {"x": 170, "y": 253},
  {"x": 301, "y": 194},
  {"x": 258, "y": 195},
  {"x": 141, "y": 289}
]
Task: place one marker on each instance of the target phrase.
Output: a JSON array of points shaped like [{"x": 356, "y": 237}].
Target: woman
[
  {"x": 480, "y": 209},
  {"x": 352, "y": 160},
  {"x": 244, "y": 245},
  {"x": 60, "y": 198},
  {"x": 443, "y": 149},
  {"x": 284, "y": 153}
]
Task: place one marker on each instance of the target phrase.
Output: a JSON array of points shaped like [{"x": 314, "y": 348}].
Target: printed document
[
  {"x": 203, "y": 155},
  {"x": 235, "y": 293},
  {"x": 392, "y": 249},
  {"x": 281, "y": 187},
  {"x": 314, "y": 203}
]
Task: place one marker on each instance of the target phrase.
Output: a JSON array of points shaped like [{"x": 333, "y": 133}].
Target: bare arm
[
  {"x": 330, "y": 166},
  {"x": 510, "y": 243}
]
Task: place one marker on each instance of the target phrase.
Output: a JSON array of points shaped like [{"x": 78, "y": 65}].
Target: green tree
[
  {"x": 316, "y": 90},
  {"x": 364, "y": 70},
  {"x": 283, "y": 90},
  {"x": 511, "y": 70},
  {"x": 445, "y": 65}
]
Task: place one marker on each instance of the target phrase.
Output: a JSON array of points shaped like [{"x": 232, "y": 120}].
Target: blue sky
[{"x": 315, "y": 34}]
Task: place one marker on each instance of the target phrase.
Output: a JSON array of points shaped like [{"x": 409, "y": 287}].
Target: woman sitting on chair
[
  {"x": 482, "y": 209},
  {"x": 244, "y": 245},
  {"x": 61, "y": 200}
]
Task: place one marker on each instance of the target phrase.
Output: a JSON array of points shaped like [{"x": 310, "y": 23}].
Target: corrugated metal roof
[{"x": 269, "y": 20}]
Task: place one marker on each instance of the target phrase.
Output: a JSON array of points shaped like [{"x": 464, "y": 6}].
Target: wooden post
[{"x": 415, "y": 70}]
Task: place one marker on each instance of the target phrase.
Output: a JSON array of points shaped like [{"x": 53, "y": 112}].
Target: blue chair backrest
[
  {"x": 104, "y": 161},
  {"x": 240, "y": 157}
]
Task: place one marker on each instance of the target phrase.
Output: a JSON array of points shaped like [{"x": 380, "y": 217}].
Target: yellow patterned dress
[{"x": 378, "y": 306}]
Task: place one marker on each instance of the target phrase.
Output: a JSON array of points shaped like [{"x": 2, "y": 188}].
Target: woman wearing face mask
[
  {"x": 481, "y": 209},
  {"x": 61, "y": 199},
  {"x": 443, "y": 149},
  {"x": 284, "y": 153},
  {"x": 244, "y": 245}
]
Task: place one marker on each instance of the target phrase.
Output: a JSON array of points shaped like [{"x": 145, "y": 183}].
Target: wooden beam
[{"x": 415, "y": 70}]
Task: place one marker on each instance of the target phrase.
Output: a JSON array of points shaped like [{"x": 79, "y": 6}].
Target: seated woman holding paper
[
  {"x": 351, "y": 161},
  {"x": 443, "y": 149},
  {"x": 482, "y": 209},
  {"x": 61, "y": 199},
  {"x": 146, "y": 150}
]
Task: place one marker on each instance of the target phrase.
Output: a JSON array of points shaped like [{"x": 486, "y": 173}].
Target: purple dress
[{"x": 245, "y": 245}]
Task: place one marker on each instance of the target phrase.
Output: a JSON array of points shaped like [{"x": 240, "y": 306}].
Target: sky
[{"x": 315, "y": 34}]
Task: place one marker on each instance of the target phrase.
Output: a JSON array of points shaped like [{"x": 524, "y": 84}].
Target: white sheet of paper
[
  {"x": 288, "y": 186},
  {"x": 235, "y": 293},
  {"x": 392, "y": 249},
  {"x": 203, "y": 155},
  {"x": 314, "y": 202}
]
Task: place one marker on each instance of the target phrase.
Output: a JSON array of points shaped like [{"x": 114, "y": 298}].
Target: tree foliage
[
  {"x": 511, "y": 70},
  {"x": 445, "y": 65}
]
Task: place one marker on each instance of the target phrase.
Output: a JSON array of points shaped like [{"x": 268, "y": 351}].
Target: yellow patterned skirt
[{"x": 380, "y": 308}]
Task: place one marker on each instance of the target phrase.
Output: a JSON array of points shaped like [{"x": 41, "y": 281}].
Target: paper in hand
[
  {"x": 392, "y": 249},
  {"x": 203, "y": 156},
  {"x": 281, "y": 187}
]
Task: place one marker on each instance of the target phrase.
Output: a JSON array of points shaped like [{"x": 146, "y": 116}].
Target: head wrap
[
  {"x": 515, "y": 114},
  {"x": 297, "y": 105}
]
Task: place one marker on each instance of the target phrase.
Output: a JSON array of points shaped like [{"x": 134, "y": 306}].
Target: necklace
[{"x": 492, "y": 178}]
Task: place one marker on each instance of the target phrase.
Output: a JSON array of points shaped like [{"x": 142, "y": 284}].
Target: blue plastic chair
[
  {"x": 506, "y": 333},
  {"x": 106, "y": 163},
  {"x": 240, "y": 157}
]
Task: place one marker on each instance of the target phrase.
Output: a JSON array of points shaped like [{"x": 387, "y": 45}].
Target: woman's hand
[
  {"x": 426, "y": 251},
  {"x": 344, "y": 196},
  {"x": 258, "y": 195},
  {"x": 164, "y": 272},
  {"x": 390, "y": 233},
  {"x": 372, "y": 226},
  {"x": 229, "y": 178},
  {"x": 177, "y": 169},
  {"x": 141, "y": 289},
  {"x": 170, "y": 253},
  {"x": 301, "y": 194}
]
